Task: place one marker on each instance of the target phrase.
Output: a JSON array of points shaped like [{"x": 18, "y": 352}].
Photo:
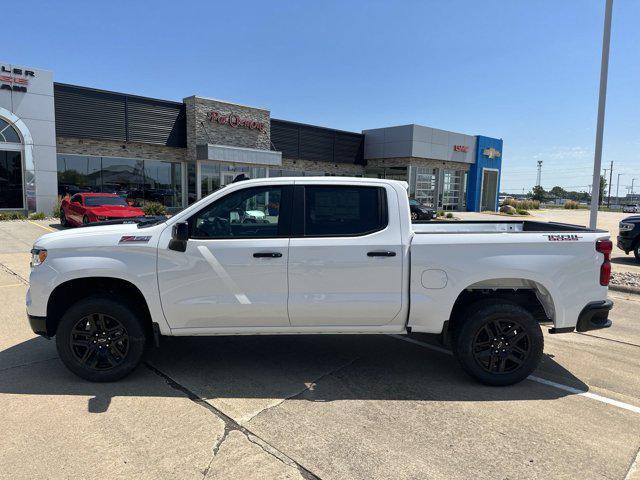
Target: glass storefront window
[
  {"x": 163, "y": 182},
  {"x": 139, "y": 181},
  {"x": 77, "y": 174}
]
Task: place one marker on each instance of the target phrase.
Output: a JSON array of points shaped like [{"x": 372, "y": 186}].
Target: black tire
[
  {"x": 63, "y": 219},
  {"x": 95, "y": 355},
  {"x": 85, "y": 220},
  {"x": 636, "y": 252},
  {"x": 484, "y": 342}
]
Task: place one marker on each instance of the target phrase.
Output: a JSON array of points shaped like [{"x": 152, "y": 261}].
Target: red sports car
[{"x": 84, "y": 208}]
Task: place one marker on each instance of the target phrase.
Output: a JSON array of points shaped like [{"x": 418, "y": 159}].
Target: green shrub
[
  {"x": 37, "y": 216},
  {"x": 55, "y": 213},
  {"x": 449, "y": 215},
  {"x": 154, "y": 208},
  {"x": 521, "y": 211},
  {"x": 571, "y": 205},
  {"x": 11, "y": 216},
  {"x": 523, "y": 204},
  {"x": 440, "y": 213}
]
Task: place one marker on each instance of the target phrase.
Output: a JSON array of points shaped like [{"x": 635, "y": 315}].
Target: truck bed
[{"x": 495, "y": 226}]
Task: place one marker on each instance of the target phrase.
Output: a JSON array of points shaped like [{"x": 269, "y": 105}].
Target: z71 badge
[
  {"x": 134, "y": 239},
  {"x": 564, "y": 238}
]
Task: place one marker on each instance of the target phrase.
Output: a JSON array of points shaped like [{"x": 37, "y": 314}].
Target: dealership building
[{"x": 58, "y": 139}]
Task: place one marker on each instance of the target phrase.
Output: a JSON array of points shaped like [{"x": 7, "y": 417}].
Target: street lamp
[{"x": 602, "y": 99}]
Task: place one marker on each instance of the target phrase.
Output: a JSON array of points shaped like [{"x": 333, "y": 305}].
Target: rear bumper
[
  {"x": 594, "y": 316},
  {"x": 38, "y": 325}
]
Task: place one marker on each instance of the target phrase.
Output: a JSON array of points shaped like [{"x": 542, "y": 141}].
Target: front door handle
[
  {"x": 385, "y": 253},
  {"x": 267, "y": 255}
]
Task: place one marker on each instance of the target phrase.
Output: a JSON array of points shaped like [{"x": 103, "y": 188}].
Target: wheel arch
[
  {"x": 529, "y": 294},
  {"x": 68, "y": 293}
]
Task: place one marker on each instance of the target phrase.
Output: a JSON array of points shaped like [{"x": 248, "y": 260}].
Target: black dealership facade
[{"x": 72, "y": 139}]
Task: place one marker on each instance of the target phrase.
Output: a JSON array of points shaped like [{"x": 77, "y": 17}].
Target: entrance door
[
  {"x": 345, "y": 266},
  {"x": 11, "y": 192},
  {"x": 489, "y": 189},
  {"x": 226, "y": 178},
  {"x": 234, "y": 270}
]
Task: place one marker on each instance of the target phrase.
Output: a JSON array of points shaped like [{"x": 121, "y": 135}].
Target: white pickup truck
[{"x": 316, "y": 255}]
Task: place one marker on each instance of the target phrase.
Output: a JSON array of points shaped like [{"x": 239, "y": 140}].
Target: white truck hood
[{"x": 96, "y": 236}]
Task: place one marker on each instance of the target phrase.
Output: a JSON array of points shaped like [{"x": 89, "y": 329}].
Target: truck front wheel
[
  {"x": 498, "y": 343},
  {"x": 100, "y": 340}
]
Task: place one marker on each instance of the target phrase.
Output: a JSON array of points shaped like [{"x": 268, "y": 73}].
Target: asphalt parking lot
[{"x": 329, "y": 407}]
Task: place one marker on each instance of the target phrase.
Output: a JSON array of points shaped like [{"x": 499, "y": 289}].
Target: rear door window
[{"x": 334, "y": 210}]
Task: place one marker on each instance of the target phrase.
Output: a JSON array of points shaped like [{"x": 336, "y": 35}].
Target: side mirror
[
  {"x": 130, "y": 203},
  {"x": 179, "y": 237}
]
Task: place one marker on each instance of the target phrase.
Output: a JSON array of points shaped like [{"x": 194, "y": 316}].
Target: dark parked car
[
  {"x": 629, "y": 236},
  {"x": 420, "y": 211}
]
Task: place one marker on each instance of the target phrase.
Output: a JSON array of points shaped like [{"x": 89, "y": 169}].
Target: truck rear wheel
[
  {"x": 498, "y": 343},
  {"x": 100, "y": 340}
]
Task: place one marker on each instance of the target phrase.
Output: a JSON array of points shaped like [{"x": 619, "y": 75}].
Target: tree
[
  {"x": 603, "y": 186},
  {"x": 538, "y": 193},
  {"x": 558, "y": 192}
]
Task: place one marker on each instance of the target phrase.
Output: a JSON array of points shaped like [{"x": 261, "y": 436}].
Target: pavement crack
[
  {"x": 230, "y": 425},
  {"x": 28, "y": 364},
  {"x": 312, "y": 384},
  {"x": 6, "y": 269},
  {"x": 609, "y": 339}
]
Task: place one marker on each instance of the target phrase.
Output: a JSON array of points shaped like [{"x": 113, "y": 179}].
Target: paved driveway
[{"x": 329, "y": 407}]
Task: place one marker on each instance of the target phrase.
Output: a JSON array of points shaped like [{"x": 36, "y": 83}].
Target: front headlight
[
  {"x": 38, "y": 256},
  {"x": 625, "y": 227}
]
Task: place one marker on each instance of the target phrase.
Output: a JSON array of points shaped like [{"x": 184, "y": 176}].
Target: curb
[{"x": 625, "y": 289}]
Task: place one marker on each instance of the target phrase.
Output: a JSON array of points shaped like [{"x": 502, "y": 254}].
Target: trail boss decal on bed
[
  {"x": 563, "y": 238},
  {"x": 134, "y": 239}
]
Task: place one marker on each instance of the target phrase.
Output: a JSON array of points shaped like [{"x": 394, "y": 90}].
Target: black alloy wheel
[
  {"x": 636, "y": 252},
  {"x": 63, "y": 218},
  {"x": 85, "y": 220},
  {"x": 101, "y": 339},
  {"x": 501, "y": 346},
  {"x": 99, "y": 342},
  {"x": 498, "y": 342}
]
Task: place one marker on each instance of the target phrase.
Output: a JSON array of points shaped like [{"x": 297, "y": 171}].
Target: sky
[{"x": 526, "y": 71}]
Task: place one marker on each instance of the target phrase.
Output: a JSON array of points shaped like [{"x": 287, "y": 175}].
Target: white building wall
[{"x": 33, "y": 113}]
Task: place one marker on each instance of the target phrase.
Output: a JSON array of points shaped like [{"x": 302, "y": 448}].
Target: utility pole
[
  {"x": 632, "y": 180},
  {"x": 602, "y": 100},
  {"x": 539, "y": 179},
  {"x": 618, "y": 189},
  {"x": 610, "y": 180}
]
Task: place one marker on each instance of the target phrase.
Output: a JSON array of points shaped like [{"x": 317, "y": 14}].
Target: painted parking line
[
  {"x": 533, "y": 378},
  {"x": 12, "y": 285},
  {"x": 49, "y": 229}
]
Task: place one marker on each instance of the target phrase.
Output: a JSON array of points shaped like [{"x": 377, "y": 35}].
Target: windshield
[
  {"x": 98, "y": 201},
  {"x": 413, "y": 202}
]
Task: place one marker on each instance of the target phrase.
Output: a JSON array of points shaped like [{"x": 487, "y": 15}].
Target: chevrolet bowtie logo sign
[{"x": 491, "y": 152}]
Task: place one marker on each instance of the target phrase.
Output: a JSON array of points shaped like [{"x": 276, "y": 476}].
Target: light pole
[
  {"x": 539, "y": 179},
  {"x": 602, "y": 100},
  {"x": 618, "y": 189}
]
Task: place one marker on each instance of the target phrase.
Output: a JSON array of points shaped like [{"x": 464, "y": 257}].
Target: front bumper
[
  {"x": 38, "y": 325},
  {"x": 625, "y": 243},
  {"x": 594, "y": 316}
]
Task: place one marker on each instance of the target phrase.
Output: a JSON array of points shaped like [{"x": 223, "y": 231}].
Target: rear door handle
[
  {"x": 385, "y": 253},
  {"x": 267, "y": 255}
]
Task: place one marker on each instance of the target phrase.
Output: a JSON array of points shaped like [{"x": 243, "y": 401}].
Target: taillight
[{"x": 605, "y": 247}]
